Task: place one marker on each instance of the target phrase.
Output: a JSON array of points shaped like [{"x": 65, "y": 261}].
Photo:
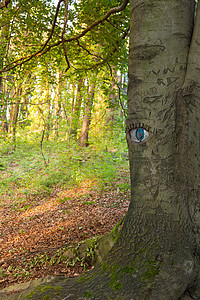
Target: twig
[{"x": 92, "y": 54}]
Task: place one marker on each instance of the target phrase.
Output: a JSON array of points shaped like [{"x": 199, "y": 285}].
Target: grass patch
[{"x": 24, "y": 172}]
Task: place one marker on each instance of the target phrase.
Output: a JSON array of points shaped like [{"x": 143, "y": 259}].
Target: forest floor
[{"x": 33, "y": 233}]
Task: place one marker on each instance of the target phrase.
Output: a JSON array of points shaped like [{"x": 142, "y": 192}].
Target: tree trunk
[
  {"x": 113, "y": 99},
  {"x": 72, "y": 88},
  {"x": 76, "y": 108},
  {"x": 57, "y": 101},
  {"x": 14, "y": 116},
  {"x": 87, "y": 117},
  {"x": 3, "y": 78},
  {"x": 46, "y": 112},
  {"x": 156, "y": 255},
  {"x": 3, "y": 106}
]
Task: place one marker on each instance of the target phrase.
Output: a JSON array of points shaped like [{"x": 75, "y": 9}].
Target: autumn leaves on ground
[{"x": 46, "y": 208}]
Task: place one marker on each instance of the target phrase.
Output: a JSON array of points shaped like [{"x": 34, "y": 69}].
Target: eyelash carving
[{"x": 138, "y": 133}]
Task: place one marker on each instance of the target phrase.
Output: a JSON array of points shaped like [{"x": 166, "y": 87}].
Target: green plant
[{"x": 2, "y": 273}]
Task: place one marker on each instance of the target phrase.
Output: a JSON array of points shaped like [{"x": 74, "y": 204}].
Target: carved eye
[{"x": 139, "y": 135}]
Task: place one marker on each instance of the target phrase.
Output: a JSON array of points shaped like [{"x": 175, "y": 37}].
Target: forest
[
  {"x": 63, "y": 154},
  {"x": 100, "y": 150}
]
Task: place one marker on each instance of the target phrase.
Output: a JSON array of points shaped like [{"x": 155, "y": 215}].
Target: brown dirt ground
[{"x": 40, "y": 227}]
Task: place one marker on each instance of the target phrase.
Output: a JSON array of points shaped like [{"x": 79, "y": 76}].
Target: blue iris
[{"x": 140, "y": 134}]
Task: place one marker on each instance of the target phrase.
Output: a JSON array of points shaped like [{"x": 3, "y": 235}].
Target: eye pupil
[{"x": 140, "y": 134}]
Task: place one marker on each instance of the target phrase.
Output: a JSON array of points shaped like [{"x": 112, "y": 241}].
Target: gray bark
[{"x": 165, "y": 169}]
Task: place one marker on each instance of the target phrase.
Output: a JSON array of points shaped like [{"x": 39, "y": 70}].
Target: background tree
[{"x": 87, "y": 115}]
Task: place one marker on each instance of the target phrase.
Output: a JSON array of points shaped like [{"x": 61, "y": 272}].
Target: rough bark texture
[
  {"x": 156, "y": 255},
  {"x": 164, "y": 170}
]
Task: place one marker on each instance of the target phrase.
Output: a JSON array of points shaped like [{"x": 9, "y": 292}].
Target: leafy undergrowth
[{"x": 35, "y": 228}]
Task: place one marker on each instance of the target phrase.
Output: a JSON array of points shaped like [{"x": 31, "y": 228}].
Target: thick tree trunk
[
  {"x": 156, "y": 255},
  {"x": 164, "y": 170}
]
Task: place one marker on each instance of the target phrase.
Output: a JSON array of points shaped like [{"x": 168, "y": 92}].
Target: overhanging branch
[
  {"x": 110, "y": 54},
  {"x": 45, "y": 48},
  {"x": 22, "y": 60}
]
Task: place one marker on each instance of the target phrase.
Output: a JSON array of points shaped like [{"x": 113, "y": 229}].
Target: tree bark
[
  {"x": 3, "y": 79},
  {"x": 156, "y": 255},
  {"x": 113, "y": 99},
  {"x": 76, "y": 108},
  {"x": 57, "y": 101},
  {"x": 3, "y": 106},
  {"x": 14, "y": 116},
  {"x": 72, "y": 89},
  {"x": 164, "y": 170},
  {"x": 87, "y": 117}
]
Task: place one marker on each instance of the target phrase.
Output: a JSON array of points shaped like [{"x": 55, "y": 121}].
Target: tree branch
[
  {"x": 45, "y": 49},
  {"x": 4, "y": 3},
  {"x": 105, "y": 60},
  {"x": 22, "y": 60},
  {"x": 100, "y": 21},
  {"x": 90, "y": 53}
]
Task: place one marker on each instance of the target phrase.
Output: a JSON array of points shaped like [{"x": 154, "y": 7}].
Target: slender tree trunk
[
  {"x": 4, "y": 39},
  {"x": 77, "y": 108},
  {"x": 57, "y": 102},
  {"x": 3, "y": 106},
  {"x": 4, "y": 116},
  {"x": 113, "y": 99},
  {"x": 48, "y": 119},
  {"x": 72, "y": 109},
  {"x": 46, "y": 114},
  {"x": 87, "y": 117},
  {"x": 14, "y": 117}
]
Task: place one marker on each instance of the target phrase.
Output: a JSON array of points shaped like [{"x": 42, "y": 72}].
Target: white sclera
[{"x": 139, "y": 135}]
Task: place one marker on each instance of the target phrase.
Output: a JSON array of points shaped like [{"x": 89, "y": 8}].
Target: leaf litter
[{"x": 32, "y": 233}]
